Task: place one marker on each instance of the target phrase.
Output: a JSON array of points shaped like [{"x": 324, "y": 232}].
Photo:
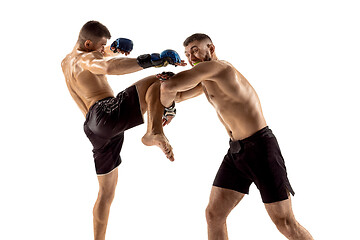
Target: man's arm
[
  {"x": 97, "y": 64},
  {"x": 188, "y": 80},
  {"x": 196, "y": 91}
]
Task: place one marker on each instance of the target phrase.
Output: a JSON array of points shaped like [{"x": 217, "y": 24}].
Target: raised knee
[
  {"x": 153, "y": 91},
  {"x": 214, "y": 216}
]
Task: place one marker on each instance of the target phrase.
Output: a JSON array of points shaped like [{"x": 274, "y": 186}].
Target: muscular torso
[
  {"x": 84, "y": 86},
  {"x": 235, "y": 101}
]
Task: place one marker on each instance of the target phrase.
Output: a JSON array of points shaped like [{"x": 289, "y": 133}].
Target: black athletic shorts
[
  {"x": 105, "y": 124},
  {"x": 255, "y": 159}
]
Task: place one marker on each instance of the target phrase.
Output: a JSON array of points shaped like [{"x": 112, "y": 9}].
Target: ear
[
  {"x": 88, "y": 44},
  {"x": 212, "y": 48}
]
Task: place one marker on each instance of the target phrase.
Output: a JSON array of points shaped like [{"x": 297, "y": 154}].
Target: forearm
[
  {"x": 182, "y": 96},
  {"x": 109, "y": 53},
  {"x": 120, "y": 66},
  {"x": 180, "y": 87}
]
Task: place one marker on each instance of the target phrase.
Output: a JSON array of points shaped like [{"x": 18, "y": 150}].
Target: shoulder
[
  {"x": 65, "y": 61},
  {"x": 216, "y": 65},
  {"x": 84, "y": 56},
  {"x": 214, "y": 68}
]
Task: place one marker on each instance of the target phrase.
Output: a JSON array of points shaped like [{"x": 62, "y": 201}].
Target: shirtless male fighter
[
  {"x": 107, "y": 117},
  {"x": 254, "y": 154}
]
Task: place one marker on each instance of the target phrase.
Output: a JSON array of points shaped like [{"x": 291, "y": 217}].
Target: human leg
[
  {"x": 221, "y": 202},
  {"x": 149, "y": 97},
  {"x": 282, "y": 215},
  {"x": 107, "y": 185},
  {"x": 229, "y": 187}
]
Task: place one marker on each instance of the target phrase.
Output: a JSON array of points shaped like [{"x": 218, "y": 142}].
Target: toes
[{"x": 171, "y": 157}]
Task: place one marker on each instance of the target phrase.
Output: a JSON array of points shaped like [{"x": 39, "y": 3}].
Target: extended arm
[
  {"x": 182, "y": 96},
  {"x": 97, "y": 64},
  {"x": 187, "y": 80}
]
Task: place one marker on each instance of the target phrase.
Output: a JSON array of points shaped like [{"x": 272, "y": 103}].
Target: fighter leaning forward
[{"x": 254, "y": 155}]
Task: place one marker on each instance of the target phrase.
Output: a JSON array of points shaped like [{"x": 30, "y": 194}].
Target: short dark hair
[
  {"x": 94, "y": 31},
  {"x": 196, "y": 37}
]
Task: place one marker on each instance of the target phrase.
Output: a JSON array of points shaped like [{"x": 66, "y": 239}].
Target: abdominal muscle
[
  {"x": 239, "y": 110},
  {"x": 241, "y": 123}
]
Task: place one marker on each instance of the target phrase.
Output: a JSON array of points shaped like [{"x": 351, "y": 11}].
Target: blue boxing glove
[
  {"x": 122, "y": 44},
  {"x": 159, "y": 60},
  {"x": 170, "y": 56}
]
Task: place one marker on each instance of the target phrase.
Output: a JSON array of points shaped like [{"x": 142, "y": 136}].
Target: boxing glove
[
  {"x": 159, "y": 60},
  {"x": 123, "y": 44}
]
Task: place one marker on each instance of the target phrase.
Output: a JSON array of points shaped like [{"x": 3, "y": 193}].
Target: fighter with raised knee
[
  {"x": 254, "y": 154},
  {"x": 107, "y": 115}
]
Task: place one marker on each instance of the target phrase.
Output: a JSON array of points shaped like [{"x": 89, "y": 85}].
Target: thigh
[
  {"x": 112, "y": 116},
  {"x": 107, "y": 157},
  {"x": 281, "y": 210},
  {"x": 270, "y": 175},
  {"x": 224, "y": 200},
  {"x": 142, "y": 87},
  {"x": 230, "y": 177}
]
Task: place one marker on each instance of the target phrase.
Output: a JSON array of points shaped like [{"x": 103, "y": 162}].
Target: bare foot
[{"x": 161, "y": 141}]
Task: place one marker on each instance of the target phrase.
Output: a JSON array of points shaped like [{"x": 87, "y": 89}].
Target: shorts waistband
[
  {"x": 101, "y": 100},
  {"x": 260, "y": 133},
  {"x": 92, "y": 106},
  {"x": 235, "y": 146}
]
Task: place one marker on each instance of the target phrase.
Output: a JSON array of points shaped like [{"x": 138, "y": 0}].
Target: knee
[
  {"x": 287, "y": 226},
  {"x": 154, "y": 89},
  {"x": 102, "y": 206},
  {"x": 106, "y": 195},
  {"x": 214, "y": 217}
]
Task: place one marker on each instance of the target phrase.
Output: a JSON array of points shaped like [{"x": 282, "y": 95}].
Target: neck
[
  {"x": 78, "y": 47},
  {"x": 214, "y": 57}
]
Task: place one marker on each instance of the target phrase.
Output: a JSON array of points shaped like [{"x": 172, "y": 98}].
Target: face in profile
[
  {"x": 98, "y": 46},
  {"x": 199, "y": 51}
]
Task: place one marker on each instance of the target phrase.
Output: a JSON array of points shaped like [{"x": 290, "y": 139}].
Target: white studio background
[{"x": 301, "y": 57}]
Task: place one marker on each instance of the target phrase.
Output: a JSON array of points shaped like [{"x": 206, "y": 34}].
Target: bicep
[{"x": 112, "y": 66}]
